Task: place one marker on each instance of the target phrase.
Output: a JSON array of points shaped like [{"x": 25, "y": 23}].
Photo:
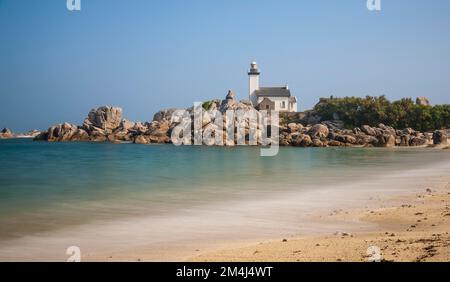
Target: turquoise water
[{"x": 50, "y": 186}]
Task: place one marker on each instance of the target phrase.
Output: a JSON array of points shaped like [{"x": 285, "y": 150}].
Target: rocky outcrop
[
  {"x": 106, "y": 124},
  {"x": 63, "y": 133},
  {"x": 6, "y": 133},
  {"x": 105, "y": 118}
]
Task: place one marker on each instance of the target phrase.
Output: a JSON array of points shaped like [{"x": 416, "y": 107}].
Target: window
[
  {"x": 267, "y": 107},
  {"x": 283, "y": 104}
]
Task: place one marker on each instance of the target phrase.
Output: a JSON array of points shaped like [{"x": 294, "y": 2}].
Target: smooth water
[{"x": 51, "y": 186}]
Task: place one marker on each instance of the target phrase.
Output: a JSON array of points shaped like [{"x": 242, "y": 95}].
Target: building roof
[{"x": 273, "y": 92}]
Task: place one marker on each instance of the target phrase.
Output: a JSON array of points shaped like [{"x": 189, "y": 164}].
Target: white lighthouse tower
[{"x": 253, "y": 83}]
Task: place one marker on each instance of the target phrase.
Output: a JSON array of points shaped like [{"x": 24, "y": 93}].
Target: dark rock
[
  {"x": 230, "y": 95},
  {"x": 404, "y": 140},
  {"x": 386, "y": 141},
  {"x": 440, "y": 137},
  {"x": 418, "y": 141}
]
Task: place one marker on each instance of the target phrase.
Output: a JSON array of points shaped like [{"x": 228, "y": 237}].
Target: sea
[{"x": 170, "y": 202}]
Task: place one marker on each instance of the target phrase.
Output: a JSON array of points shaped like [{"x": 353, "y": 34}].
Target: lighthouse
[
  {"x": 253, "y": 83},
  {"x": 269, "y": 98}
]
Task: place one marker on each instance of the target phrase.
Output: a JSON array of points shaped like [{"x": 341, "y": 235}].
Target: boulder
[
  {"x": 357, "y": 131},
  {"x": 141, "y": 139},
  {"x": 59, "y": 133},
  {"x": 368, "y": 130},
  {"x": 409, "y": 131},
  {"x": 33, "y": 133},
  {"x": 6, "y": 133},
  {"x": 158, "y": 129},
  {"x": 348, "y": 139},
  {"x": 386, "y": 141},
  {"x": 228, "y": 104},
  {"x": 317, "y": 143},
  {"x": 335, "y": 143},
  {"x": 334, "y": 124},
  {"x": 404, "y": 140},
  {"x": 230, "y": 95},
  {"x": 97, "y": 135},
  {"x": 318, "y": 130},
  {"x": 165, "y": 115},
  {"x": 106, "y": 118},
  {"x": 366, "y": 140},
  {"x": 126, "y": 125},
  {"x": 302, "y": 140},
  {"x": 140, "y": 128},
  {"x": 158, "y": 139},
  {"x": 418, "y": 141},
  {"x": 79, "y": 135},
  {"x": 294, "y": 127},
  {"x": 440, "y": 137},
  {"x": 120, "y": 136}
]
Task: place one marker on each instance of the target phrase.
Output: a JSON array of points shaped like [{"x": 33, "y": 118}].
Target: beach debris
[{"x": 284, "y": 240}]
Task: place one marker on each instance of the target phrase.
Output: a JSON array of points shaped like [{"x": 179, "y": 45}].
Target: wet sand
[{"x": 415, "y": 228}]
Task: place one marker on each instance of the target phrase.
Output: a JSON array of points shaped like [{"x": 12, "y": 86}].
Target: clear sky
[{"x": 144, "y": 55}]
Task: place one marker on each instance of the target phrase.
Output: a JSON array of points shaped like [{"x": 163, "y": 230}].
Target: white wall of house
[
  {"x": 293, "y": 107},
  {"x": 281, "y": 103}
]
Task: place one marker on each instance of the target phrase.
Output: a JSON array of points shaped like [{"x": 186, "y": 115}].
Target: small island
[{"x": 334, "y": 122}]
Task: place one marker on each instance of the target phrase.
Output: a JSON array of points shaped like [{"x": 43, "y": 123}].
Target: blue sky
[{"x": 144, "y": 55}]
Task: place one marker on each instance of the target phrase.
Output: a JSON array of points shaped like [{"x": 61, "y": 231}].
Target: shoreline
[{"x": 413, "y": 228}]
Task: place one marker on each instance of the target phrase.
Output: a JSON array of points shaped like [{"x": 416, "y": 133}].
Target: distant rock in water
[{"x": 6, "y": 133}]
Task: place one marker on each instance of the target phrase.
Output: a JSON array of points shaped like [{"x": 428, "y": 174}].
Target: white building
[{"x": 269, "y": 98}]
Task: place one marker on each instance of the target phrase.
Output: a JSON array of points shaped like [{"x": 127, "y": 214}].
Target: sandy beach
[
  {"x": 414, "y": 228},
  {"x": 399, "y": 227}
]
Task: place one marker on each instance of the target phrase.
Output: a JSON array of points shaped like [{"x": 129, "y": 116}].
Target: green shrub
[{"x": 356, "y": 111}]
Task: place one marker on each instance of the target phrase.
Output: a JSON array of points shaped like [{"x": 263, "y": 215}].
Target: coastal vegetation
[{"x": 404, "y": 113}]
